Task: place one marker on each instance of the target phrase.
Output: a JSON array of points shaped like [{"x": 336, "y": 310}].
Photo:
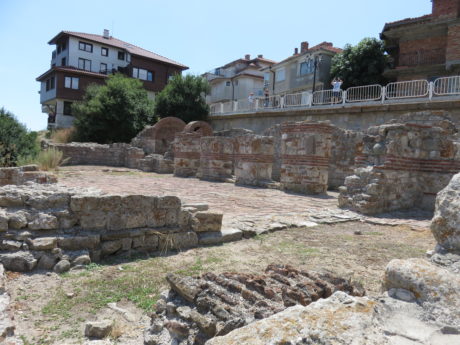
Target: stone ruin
[
  {"x": 420, "y": 303},
  {"x": 197, "y": 309},
  {"x": 54, "y": 227},
  {"x": 24, "y": 174},
  {"x": 401, "y": 166}
]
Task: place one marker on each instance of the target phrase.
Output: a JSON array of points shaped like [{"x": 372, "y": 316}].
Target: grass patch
[
  {"x": 62, "y": 136},
  {"x": 49, "y": 159},
  {"x": 298, "y": 249}
]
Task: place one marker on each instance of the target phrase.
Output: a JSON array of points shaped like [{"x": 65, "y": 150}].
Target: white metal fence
[
  {"x": 364, "y": 93},
  {"x": 392, "y": 92},
  {"x": 447, "y": 86},
  {"x": 407, "y": 89}
]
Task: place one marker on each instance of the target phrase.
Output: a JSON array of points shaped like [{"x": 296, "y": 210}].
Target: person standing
[
  {"x": 336, "y": 90},
  {"x": 251, "y": 100}
]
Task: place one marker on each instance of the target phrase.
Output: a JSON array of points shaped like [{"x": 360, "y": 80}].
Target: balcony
[{"x": 422, "y": 58}]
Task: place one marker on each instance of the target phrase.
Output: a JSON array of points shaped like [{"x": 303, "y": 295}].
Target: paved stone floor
[{"x": 253, "y": 210}]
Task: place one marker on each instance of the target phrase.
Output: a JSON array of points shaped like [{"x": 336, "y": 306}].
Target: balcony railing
[
  {"x": 412, "y": 90},
  {"x": 420, "y": 58}
]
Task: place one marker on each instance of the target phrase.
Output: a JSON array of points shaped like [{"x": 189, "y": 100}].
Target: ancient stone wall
[
  {"x": 159, "y": 137},
  {"x": 217, "y": 156},
  {"x": 254, "y": 156},
  {"x": 400, "y": 166},
  {"x": 305, "y": 154},
  {"x": 54, "y": 227},
  {"x": 187, "y": 154},
  {"x": 27, "y": 173}
]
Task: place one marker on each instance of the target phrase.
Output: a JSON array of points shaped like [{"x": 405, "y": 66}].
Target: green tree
[
  {"x": 183, "y": 97},
  {"x": 362, "y": 64},
  {"x": 15, "y": 140},
  {"x": 114, "y": 112}
]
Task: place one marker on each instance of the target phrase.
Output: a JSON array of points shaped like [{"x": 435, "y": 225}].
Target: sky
[{"x": 202, "y": 34}]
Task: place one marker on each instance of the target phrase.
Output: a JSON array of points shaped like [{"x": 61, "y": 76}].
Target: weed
[{"x": 63, "y": 136}]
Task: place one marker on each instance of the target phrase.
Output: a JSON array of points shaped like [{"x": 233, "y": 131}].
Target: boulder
[
  {"x": 98, "y": 329},
  {"x": 62, "y": 266},
  {"x": 42, "y": 243},
  {"x": 445, "y": 225},
  {"x": 20, "y": 261}
]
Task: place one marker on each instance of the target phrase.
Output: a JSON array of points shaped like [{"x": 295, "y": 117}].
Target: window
[
  {"x": 63, "y": 61},
  {"x": 142, "y": 74},
  {"x": 104, "y": 51},
  {"x": 103, "y": 67},
  {"x": 266, "y": 79},
  {"x": 280, "y": 75},
  {"x": 227, "y": 83},
  {"x": 121, "y": 55},
  {"x": 67, "y": 108},
  {"x": 50, "y": 84},
  {"x": 306, "y": 67},
  {"x": 84, "y": 64},
  {"x": 87, "y": 47},
  {"x": 71, "y": 83}
]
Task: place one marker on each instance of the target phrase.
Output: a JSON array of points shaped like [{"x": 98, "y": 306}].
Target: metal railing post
[
  {"x": 344, "y": 97},
  {"x": 310, "y": 99},
  {"x": 256, "y": 104},
  {"x": 281, "y": 101},
  {"x": 430, "y": 90},
  {"x": 221, "y": 108},
  {"x": 235, "y": 106},
  {"x": 384, "y": 93}
]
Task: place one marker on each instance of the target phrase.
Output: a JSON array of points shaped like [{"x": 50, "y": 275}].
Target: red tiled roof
[
  {"x": 324, "y": 46},
  {"x": 70, "y": 69},
  {"x": 115, "y": 42}
]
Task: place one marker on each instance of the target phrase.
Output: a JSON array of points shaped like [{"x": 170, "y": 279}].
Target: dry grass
[
  {"x": 49, "y": 159},
  {"x": 63, "y": 136}
]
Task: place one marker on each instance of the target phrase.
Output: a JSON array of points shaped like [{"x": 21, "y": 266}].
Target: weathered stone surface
[
  {"x": 98, "y": 329},
  {"x": 10, "y": 245},
  {"x": 21, "y": 175},
  {"x": 111, "y": 247},
  {"x": 209, "y": 221},
  {"x": 223, "y": 236},
  {"x": 445, "y": 225},
  {"x": 42, "y": 243},
  {"x": 43, "y": 221},
  {"x": 81, "y": 260},
  {"x": 17, "y": 220},
  {"x": 181, "y": 240},
  {"x": 214, "y": 305},
  {"x": 79, "y": 242},
  {"x": 3, "y": 221},
  {"x": 47, "y": 261},
  {"x": 20, "y": 261},
  {"x": 62, "y": 266}
]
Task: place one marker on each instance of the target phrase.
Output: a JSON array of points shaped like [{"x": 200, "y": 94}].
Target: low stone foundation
[
  {"x": 27, "y": 173},
  {"x": 305, "y": 152},
  {"x": 52, "y": 227}
]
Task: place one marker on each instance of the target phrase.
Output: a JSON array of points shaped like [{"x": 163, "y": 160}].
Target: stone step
[{"x": 223, "y": 236}]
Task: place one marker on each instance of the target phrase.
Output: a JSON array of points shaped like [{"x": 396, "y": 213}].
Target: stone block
[
  {"x": 10, "y": 245},
  {"x": 110, "y": 247},
  {"x": 42, "y": 243},
  {"x": 169, "y": 202},
  {"x": 139, "y": 241},
  {"x": 150, "y": 242},
  {"x": 47, "y": 262},
  {"x": 126, "y": 243},
  {"x": 212, "y": 238},
  {"x": 209, "y": 221},
  {"x": 43, "y": 221},
  {"x": 21, "y": 261},
  {"x": 11, "y": 200},
  {"x": 178, "y": 241},
  {"x": 3, "y": 221},
  {"x": 79, "y": 242}
]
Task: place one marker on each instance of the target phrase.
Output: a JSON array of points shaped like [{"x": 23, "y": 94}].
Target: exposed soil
[{"x": 52, "y": 309}]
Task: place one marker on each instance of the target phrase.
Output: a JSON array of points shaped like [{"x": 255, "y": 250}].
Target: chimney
[
  {"x": 260, "y": 56},
  {"x": 296, "y": 51},
  {"x": 303, "y": 47},
  {"x": 106, "y": 34},
  {"x": 247, "y": 57}
]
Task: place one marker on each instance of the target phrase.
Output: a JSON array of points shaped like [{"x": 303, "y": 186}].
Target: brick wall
[
  {"x": 453, "y": 44},
  {"x": 305, "y": 154},
  {"x": 446, "y": 8},
  {"x": 187, "y": 154},
  {"x": 217, "y": 156}
]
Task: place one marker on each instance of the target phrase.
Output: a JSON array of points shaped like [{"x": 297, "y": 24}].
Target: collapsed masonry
[
  {"x": 24, "y": 174},
  {"x": 199, "y": 308},
  {"x": 54, "y": 227}
]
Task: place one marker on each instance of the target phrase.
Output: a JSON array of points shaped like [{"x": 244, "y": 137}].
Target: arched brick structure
[
  {"x": 159, "y": 137},
  {"x": 200, "y": 127}
]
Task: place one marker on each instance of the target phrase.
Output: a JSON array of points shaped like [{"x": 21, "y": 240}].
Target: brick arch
[
  {"x": 200, "y": 127},
  {"x": 159, "y": 137}
]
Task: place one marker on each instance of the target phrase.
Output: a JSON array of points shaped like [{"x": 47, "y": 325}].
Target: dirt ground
[{"x": 52, "y": 309}]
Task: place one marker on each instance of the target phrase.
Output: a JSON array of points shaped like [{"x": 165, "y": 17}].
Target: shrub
[
  {"x": 183, "y": 97},
  {"x": 15, "y": 140},
  {"x": 49, "y": 159},
  {"x": 114, "y": 112}
]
